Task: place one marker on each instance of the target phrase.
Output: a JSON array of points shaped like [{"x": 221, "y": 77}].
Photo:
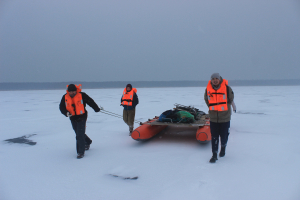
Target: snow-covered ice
[{"x": 262, "y": 159}]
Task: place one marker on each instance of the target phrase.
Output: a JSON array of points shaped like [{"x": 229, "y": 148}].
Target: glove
[
  {"x": 100, "y": 108},
  {"x": 69, "y": 114}
]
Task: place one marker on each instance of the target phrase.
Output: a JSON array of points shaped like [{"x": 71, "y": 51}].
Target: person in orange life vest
[
  {"x": 218, "y": 97},
  {"x": 129, "y": 101},
  {"x": 73, "y": 105}
]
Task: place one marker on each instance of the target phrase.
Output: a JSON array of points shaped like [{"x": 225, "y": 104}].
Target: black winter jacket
[{"x": 86, "y": 100}]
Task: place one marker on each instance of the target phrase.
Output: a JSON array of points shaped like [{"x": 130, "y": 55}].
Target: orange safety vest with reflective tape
[
  {"x": 127, "y": 97},
  {"x": 75, "y": 105},
  {"x": 217, "y": 99}
]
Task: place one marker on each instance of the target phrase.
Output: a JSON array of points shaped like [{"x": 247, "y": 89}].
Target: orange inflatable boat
[
  {"x": 152, "y": 127},
  {"x": 203, "y": 134},
  {"x": 146, "y": 130}
]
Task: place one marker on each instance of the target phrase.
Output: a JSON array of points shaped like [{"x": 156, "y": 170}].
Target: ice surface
[{"x": 262, "y": 159}]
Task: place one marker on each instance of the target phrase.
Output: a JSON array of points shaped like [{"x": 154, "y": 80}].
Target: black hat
[
  {"x": 129, "y": 85},
  {"x": 72, "y": 87}
]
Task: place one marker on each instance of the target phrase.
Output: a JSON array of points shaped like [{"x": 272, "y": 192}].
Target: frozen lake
[{"x": 262, "y": 159}]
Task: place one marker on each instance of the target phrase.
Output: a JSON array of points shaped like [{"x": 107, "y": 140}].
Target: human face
[
  {"x": 128, "y": 89},
  {"x": 72, "y": 93},
  {"x": 215, "y": 81}
]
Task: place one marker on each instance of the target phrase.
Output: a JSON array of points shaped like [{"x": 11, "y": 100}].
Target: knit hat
[
  {"x": 215, "y": 75},
  {"x": 72, "y": 87},
  {"x": 129, "y": 85}
]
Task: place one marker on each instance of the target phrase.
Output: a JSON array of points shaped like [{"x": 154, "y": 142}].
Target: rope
[
  {"x": 112, "y": 115},
  {"x": 116, "y": 115}
]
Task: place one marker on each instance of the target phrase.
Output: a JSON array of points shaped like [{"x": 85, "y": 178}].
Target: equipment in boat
[{"x": 153, "y": 126}]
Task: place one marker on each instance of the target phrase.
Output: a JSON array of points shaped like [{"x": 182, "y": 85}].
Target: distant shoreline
[{"x": 139, "y": 84}]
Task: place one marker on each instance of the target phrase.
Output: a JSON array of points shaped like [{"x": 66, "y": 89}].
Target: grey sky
[{"x": 63, "y": 40}]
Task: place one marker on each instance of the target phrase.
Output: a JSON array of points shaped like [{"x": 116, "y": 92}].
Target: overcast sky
[{"x": 151, "y": 40}]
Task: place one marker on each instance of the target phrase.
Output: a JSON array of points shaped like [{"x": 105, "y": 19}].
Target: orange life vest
[
  {"x": 127, "y": 97},
  {"x": 78, "y": 108},
  {"x": 217, "y": 99}
]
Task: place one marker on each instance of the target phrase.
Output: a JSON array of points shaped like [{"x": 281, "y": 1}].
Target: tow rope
[{"x": 116, "y": 115}]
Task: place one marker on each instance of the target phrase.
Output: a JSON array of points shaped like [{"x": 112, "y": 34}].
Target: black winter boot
[
  {"x": 130, "y": 130},
  {"x": 80, "y": 155},
  {"x": 222, "y": 152},
  {"x": 87, "y": 146},
  {"x": 214, "y": 158}
]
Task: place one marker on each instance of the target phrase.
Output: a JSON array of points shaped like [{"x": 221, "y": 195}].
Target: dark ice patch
[
  {"x": 22, "y": 140},
  {"x": 124, "y": 177}
]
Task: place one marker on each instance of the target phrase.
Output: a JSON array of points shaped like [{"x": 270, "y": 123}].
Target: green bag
[{"x": 185, "y": 117}]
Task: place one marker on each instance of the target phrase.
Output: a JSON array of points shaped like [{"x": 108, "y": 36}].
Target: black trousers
[
  {"x": 219, "y": 130},
  {"x": 81, "y": 138}
]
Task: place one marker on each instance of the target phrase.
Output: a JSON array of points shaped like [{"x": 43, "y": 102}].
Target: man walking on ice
[
  {"x": 73, "y": 105},
  {"x": 129, "y": 101},
  {"x": 218, "y": 97}
]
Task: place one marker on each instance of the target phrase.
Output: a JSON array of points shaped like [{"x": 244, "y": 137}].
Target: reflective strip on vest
[
  {"x": 212, "y": 108},
  {"x": 224, "y": 96},
  {"x": 81, "y": 101},
  {"x": 81, "y": 112},
  {"x": 208, "y": 97},
  {"x": 223, "y": 108}
]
